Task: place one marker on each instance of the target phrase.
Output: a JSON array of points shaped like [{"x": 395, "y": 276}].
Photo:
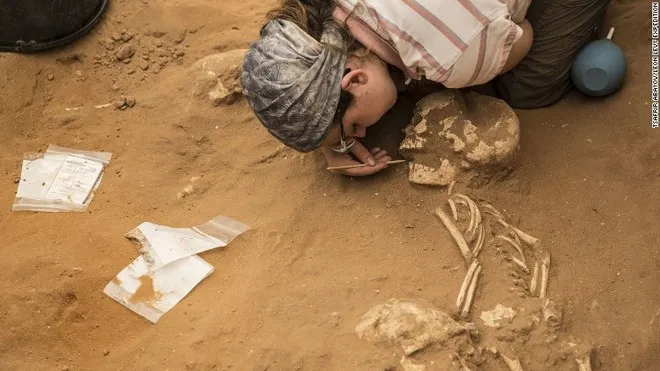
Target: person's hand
[{"x": 376, "y": 159}]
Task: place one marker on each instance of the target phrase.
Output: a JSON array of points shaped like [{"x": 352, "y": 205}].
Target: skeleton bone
[
  {"x": 517, "y": 240},
  {"x": 475, "y": 217},
  {"x": 529, "y": 240},
  {"x": 535, "y": 278},
  {"x": 452, "y": 206},
  {"x": 480, "y": 241},
  {"x": 545, "y": 268},
  {"x": 451, "y": 188},
  {"x": 464, "y": 365},
  {"x": 520, "y": 264},
  {"x": 470, "y": 293},
  {"x": 584, "y": 364},
  {"x": 489, "y": 209},
  {"x": 516, "y": 245},
  {"x": 466, "y": 281},
  {"x": 455, "y": 233},
  {"x": 513, "y": 365}
]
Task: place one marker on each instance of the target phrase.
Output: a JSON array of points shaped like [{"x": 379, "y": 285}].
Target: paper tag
[
  {"x": 75, "y": 180},
  {"x": 152, "y": 294}
]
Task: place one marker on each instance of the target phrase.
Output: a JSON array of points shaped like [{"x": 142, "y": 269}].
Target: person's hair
[{"x": 313, "y": 16}]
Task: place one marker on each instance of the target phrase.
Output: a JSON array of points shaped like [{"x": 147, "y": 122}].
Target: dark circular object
[{"x": 33, "y": 25}]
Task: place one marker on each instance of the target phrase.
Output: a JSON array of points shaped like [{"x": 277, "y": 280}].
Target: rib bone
[
  {"x": 480, "y": 241},
  {"x": 452, "y": 206},
  {"x": 520, "y": 264},
  {"x": 529, "y": 240},
  {"x": 516, "y": 245},
  {"x": 475, "y": 217}
]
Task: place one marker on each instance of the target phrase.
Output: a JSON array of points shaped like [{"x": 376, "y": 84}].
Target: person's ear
[{"x": 354, "y": 79}]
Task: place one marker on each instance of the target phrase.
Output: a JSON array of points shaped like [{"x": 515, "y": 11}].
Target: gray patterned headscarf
[{"x": 292, "y": 82}]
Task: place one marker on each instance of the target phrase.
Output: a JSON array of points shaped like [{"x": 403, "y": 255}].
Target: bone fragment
[
  {"x": 529, "y": 240},
  {"x": 470, "y": 228},
  {"x": 584, "y": 364},
  {"x": 452, "y": 206},
  {"x": 513, "y": 365},
  {"x": 517, "y": 240},
  {"x": 514, "y": 244},
  {"x": 464, "y": 366},
  {"x": 450, "y": 190},
  {"x": 475, "y": 217},
  {"x": 489, "y": 209},
  {"x": 520, "y": 264},
  {"x": 466, "y": 281},
  {"x": 455, "y": 233},
  {"x": 470, "y": 293},
  {"x": 551, "y": 314},
  {"x": 535, "y": 278},
  {"x": 480, "y": 241},
  {"x": 545, "y": 268}
]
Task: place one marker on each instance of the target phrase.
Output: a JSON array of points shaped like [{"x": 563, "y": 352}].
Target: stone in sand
[
  {"x": 218, "y": 77},
  {"x": 414, "y": 324},
  {"x": 125, "y": 51},
  {"x": 459, "y": 136}
]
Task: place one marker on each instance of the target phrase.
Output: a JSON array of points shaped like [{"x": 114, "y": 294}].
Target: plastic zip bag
[{"x": 61, "y": 179}]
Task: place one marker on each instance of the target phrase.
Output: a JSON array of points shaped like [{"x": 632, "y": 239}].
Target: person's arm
[{"x": 521, "y": 47}]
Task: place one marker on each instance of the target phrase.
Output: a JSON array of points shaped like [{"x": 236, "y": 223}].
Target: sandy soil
[{"x": 323, "y": 249}]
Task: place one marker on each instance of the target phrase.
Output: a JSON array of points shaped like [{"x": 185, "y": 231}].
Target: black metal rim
[{"x": 34, "y": 46}]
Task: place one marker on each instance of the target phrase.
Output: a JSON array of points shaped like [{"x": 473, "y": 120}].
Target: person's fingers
[
  {"x": 375, "y": 150},
  {"x": 363, "y": 154},
  {"x": 380, "y": 154},
  {"x": 365, "y": 170},
  {"x": 385, "y": 159}
]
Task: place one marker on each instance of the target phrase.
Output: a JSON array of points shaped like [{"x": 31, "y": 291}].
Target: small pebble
[
  {"x": 130, "y": 101},
  {"x": 51, "y": 77},
  {"x": 106, "y": 352}
]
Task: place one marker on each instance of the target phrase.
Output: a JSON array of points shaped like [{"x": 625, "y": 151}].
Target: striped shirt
[{"x": 458, "y": 43}]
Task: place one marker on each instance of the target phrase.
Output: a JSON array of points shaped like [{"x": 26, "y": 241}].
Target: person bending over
[{"x": 323, "y": 71}]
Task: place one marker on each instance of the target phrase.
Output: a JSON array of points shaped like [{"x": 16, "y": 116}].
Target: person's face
[{"x": 374, "y": 92}]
